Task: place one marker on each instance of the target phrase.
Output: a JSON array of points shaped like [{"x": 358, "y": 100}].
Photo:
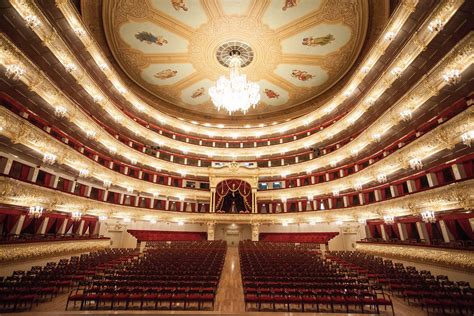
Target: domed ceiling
[{"x": 297, "y": 49}]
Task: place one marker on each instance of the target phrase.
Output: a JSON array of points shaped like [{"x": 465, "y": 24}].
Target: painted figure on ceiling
[
  {"x": 318, "y": 41},
  {"x": 301, "y": 75},
  {"x": 179, "y": 4},
  {"x": 166, "y": 74},
  {"x": 271, "y": 94},
  {"x": 289, "y": 4},
  {"x": 198, "y": 93},
  {"x": 149, "y": 38}
]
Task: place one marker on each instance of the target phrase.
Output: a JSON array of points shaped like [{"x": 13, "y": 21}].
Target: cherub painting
[
  {"x": 318, "y": 41},
  {"x": 271, "y": 94},
  {"x": 198, "y": 93},
  {"x": 289, "y": 4},
  {"x": 166, "y": 74},
  {"x": 179, "y": 4},
  {"x": 301, "y": 75},
  {"x": 149, "y": 38}
]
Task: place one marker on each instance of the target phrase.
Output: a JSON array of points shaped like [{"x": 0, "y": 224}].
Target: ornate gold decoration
[
  {"x": 451, "y": 197},
  {"x": 451, "y": 258},
  {"x": 29, "y": 251}
]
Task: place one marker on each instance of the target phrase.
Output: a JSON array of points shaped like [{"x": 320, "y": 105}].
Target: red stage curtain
[
  {"x": 319, "y": 238},
  {"x": 156, "y": 235}
]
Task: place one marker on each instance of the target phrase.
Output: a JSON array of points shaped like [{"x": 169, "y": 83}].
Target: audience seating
[
  {"x": 285, "y": 276},
  {"x": 167, "y": 275},
  {"x": 25, "y": 288},
  {"x": 419, "y": 288}
]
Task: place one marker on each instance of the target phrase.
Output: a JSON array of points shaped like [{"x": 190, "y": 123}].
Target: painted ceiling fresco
[{"x": 301, "y": 47}]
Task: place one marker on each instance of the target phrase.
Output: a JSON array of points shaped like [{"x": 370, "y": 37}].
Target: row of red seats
[
  {"x": 41, "y": 283},
  {"x": 419, "y": 288},
  {"x": 283, "y": 276},
  {"x": 154, "y": 280}
]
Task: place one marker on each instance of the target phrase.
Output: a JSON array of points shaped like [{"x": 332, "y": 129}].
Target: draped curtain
[{"x": 238, "y": 192}]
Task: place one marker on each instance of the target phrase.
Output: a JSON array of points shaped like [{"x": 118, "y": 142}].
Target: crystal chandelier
[
  {"x": 388, "y": 219},
  {"x": 76, "y": 216},
  {"x": 235, "y": 94}
]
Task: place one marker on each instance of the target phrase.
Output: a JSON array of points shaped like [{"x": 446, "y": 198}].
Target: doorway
[{"x": 233, "y": 233}]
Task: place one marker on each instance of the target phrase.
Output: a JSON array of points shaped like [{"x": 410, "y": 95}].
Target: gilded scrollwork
[
  {"x": 450, "y": 258},
  {"x": 28, "y": 251},
  {"x": 451, "y": 197}
]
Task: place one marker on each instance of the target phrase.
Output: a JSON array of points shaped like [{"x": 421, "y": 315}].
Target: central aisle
[{"x": 230, "y": 295}]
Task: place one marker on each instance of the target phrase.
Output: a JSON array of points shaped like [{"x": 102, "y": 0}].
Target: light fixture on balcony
[
  {"x": 70, "y": 67},
  {"x": 90, "y": 134},
  {"x": 436, "y": 26},
  {"x": 83, "y": 173},
  {"x": 130, "y": 190},
  {"x": 358, "y": 186},
  {"x": 103, "y": 218},
  {"x": 452, "y": 76},
  {"x": 389, "y": 36},
  {"x": 389, "y": 219},
  {"x": 335, "y": 193},
  {"x": 428, "y": 217},
  {"x": 397, "y": 71},
  {"x": 35, "y": 211},
  {"x": 236, "y": 93},
  {"x": 14, "y": 72},
  {"x": 79, "y": 31},
  {"x": 406, "y": 115},
  {"x": 467, "y": 138},
  {"x": 376, "y": 137},
  {"x": 60, "y": 111},
  {"x": 76, "y": 216},
  {"x": 416, "y": 164},
  {"x": 49, "y": 158},
  {"x": 32, "y": 21},
  {"x": 127, "y": 219},
  {"x": 382, "y": 178},
  {"x": 107, "y": 183},
  {"x": 362, "y": 221}
]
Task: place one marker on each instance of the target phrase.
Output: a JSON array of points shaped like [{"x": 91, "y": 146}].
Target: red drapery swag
[
  {"x": 51, "y": 221},
  {"x": 70, "y": 222},
  {"x": 466, "y": 227},
  {"x": 233, "y": 185},
  {"x": 379, "y": 229},
  {"x": 11, "y": 221},
  {"x": 59, "y": 224},
  {"x": 396, "y": 230},
  {"x": 75, "y": 227},
  {"x": 26, "y": 222},
  {"x": 372, "y": 230}
]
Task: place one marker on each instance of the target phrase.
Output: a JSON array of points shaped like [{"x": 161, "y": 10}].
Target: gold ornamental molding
[
  {"x": 457, "y": 259},
  {"x": 23, "y": 132},
  {"x": 459, "y": 59},
  {"x": 443, "y": 12},
  {"x": 445, "y": 136},
  {"x": 29, "y": 251},
  {"x": 399, "y": 17},
  {"x": 450, "y": 197}
]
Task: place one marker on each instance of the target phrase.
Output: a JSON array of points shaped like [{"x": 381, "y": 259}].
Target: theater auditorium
[{"x": 260, "y": 157}]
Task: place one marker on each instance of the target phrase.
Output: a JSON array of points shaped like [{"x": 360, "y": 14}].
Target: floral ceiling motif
[{"x": 301, "y": 48}]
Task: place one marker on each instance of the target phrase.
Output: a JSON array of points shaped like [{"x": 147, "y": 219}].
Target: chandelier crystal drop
[{"x": 236, "y": 93}]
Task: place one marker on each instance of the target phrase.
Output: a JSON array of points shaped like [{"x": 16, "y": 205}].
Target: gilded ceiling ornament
[
  {"x": 132, "y": 8},
  {"x": 301, "y": 75},
  {"x": 289, "y": 4}
]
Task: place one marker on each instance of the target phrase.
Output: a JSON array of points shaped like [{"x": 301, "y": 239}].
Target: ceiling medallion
[{"x": 236, "y": 93}]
